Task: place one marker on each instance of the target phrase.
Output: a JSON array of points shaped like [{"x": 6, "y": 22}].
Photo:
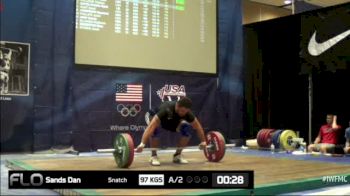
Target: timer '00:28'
[{"x": 229, "y": 179}]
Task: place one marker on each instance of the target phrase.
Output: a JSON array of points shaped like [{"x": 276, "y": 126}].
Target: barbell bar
[{"x": 111, "y": 150}]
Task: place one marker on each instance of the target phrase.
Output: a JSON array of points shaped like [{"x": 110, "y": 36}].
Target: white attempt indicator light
[{"x": 151, "y": 179}]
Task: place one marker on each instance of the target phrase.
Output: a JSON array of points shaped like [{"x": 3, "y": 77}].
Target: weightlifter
[
  {"x": 175, "y": 116},
  {"x": 328, "y": 136}
]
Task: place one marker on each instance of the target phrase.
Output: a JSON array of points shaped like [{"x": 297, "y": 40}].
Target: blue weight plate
[{"x": 276, "y": 138}]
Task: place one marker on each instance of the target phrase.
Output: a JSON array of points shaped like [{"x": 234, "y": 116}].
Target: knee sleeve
[
  {"x": 156, "y": 133},
  {"x": 185, "y": 130},
  {"x": 149, "y": 115}
]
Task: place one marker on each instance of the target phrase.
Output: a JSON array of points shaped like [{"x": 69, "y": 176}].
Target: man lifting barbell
[{"x": 176, "y": 117}]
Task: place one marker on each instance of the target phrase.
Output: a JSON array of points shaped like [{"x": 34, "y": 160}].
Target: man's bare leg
[
  {"x": 182, "y": 143},
  {"x": 311, "y": 148},
  {"x": 155, "y": 144},
  {"x": 154, "y": 158},
  {"x": 323, "y": 149},
  {"x": 347, "y": 150}
]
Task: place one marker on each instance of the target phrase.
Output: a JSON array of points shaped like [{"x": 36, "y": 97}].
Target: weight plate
[
  {"x": 131, "y": 148},
  {"x": 124, "y": 150},
  {"x": 259, "y": 139},
  {"x": 276, "y": 138},
  {"x": 268, "y": 137},
  {"x": 285, "y": 136},
  {"x": 218, "y": 151},
  {"x": 264, "y": 140}
]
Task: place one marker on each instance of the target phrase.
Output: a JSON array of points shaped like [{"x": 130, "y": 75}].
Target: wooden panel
[
  {"x": 256, "y": 12},
  {"x": 326, "y": 3}
]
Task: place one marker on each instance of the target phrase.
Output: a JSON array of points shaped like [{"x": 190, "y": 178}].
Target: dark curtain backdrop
[
  {"x": 276, "y": 94},
  {"x": 278, "y": 64},
  {"x": 75, "y": 105}
]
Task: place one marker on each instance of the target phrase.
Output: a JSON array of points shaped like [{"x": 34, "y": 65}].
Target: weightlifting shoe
[
  {"x": 179, "y": 159},
  {"x": 154, "y": 161}
]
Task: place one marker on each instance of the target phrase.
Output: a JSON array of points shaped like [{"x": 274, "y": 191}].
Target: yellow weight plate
[{"x": 285, "y": 136}]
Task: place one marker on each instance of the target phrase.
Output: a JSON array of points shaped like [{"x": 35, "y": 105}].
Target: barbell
[{"x": 124, "y": 148}]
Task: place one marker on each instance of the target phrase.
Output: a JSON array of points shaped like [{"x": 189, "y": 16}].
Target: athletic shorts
[{"x": 329, "y": 147}]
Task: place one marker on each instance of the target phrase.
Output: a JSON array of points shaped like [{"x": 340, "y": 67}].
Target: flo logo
[
  {"x": 35, "y": 179},
  {"x": 168, "y": 92}
]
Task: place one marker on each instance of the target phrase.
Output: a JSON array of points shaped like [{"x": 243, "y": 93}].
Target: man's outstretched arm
[
  {"x": 200, "y": 132},
  {"x": 155, "y": 122}
]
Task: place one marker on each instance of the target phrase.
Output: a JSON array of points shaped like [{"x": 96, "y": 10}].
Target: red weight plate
[
  {"x": 263, "y": 138},
  {"x": 268, "y": 138},
  {"x": 131, "y": 146},
  {"x": 258, "y": 137},
  {"x": 223, "y": 139},
  {"x": 215, "y": 138},
  {"x": 221, "y": 136}
]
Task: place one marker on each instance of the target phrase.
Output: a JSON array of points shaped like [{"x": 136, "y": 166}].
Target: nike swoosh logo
[{"x": 315, "y": 49}]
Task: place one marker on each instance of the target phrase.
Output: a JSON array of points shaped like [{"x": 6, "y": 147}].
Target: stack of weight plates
[
  {"x": 281, "y": 139},
  {"x": 264, "y": 138}
]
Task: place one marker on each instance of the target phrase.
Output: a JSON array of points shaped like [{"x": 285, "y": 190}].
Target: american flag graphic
[{"x": 128, "y": 93}]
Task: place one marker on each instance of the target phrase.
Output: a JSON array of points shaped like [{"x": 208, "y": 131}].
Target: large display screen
[{"x": 178, "y": 35}]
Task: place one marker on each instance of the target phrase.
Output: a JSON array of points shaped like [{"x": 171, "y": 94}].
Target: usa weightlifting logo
[{"x": 170, "y": 91}]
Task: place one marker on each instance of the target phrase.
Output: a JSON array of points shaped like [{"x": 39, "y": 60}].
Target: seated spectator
[
  {"x": 327, "y": 137},
  {"x": 347, "y": 140}
]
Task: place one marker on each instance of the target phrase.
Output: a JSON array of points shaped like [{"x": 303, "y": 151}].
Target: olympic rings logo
[{"x": 129, "y": 109}]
